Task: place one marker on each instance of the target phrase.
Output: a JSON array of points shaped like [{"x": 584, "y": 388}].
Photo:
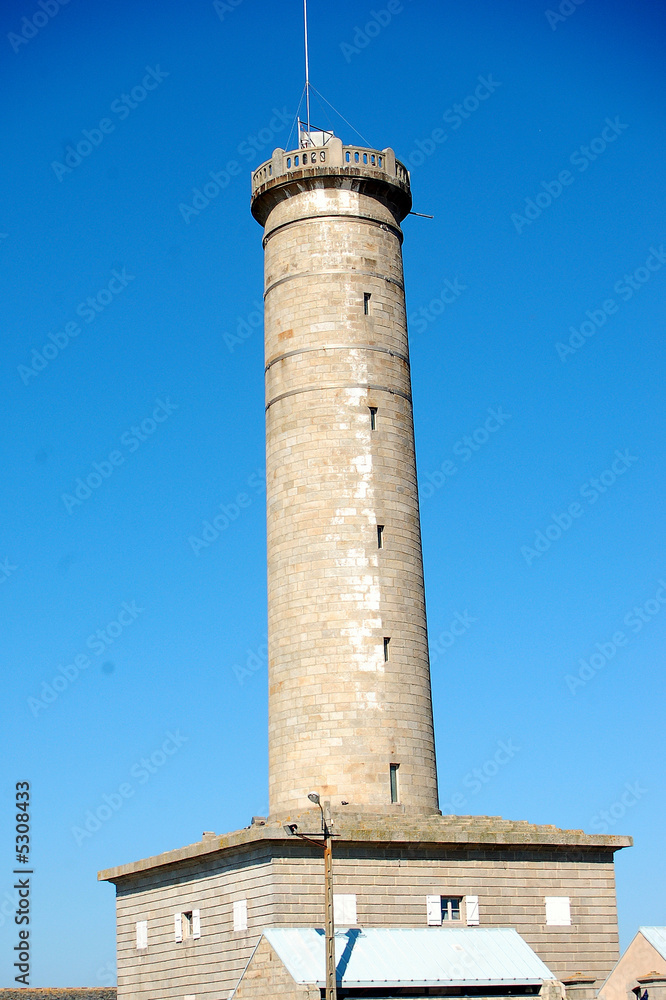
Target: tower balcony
[{"x": 330, "y": 165}]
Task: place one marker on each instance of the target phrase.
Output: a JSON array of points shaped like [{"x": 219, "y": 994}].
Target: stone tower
[
  {"x": 350, "y": 711},
  {"x": 349, "y": 707}
]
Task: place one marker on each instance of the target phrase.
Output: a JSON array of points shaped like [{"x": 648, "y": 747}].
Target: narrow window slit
[
  {"x": 387, "y": 643},
  {"x": 373, "y": 418},
  {"x": 380, "y": 536},
  {"x": 393, "y": 776},
  {"x": 366, "y": 302}
]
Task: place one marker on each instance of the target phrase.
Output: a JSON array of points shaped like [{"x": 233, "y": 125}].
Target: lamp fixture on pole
[{"x": 292, "y": 830}]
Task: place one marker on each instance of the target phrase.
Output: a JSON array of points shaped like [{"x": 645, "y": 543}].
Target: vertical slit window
[
  {"x": 380, "y": 536},
  {"x": 373, "y": 418},
  {"x": 387, "y": 643},
  {"x": 393, "y": 777},
  {"x": 366, "y": 302}
]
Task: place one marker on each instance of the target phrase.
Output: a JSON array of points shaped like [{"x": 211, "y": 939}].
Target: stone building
[{"x": 350, "y": 712}]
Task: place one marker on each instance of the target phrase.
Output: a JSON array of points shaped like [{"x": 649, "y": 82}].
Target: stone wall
[
  {"x": 340, "y": 711},
  {"x": 267, "y": 977},
  {"x": 283, "y": 883}
]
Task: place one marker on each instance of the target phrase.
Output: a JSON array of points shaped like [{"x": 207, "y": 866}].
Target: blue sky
[{"x": 536, "y": 305}]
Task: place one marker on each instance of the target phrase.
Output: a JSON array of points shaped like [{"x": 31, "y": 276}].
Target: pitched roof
[
  {"x": 380, "y": 956},
  {"x": 657, "y": 938}
]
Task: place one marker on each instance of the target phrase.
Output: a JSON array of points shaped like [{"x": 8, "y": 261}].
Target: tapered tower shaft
[{"x": 350, "y": 711}]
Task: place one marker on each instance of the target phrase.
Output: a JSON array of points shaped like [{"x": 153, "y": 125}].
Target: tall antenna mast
[{"x": 307, "y": 62}]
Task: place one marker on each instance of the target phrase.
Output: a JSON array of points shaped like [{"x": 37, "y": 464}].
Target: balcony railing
[{"x": 333, "y": 154}]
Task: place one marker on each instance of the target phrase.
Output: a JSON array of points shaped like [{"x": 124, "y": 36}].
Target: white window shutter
[
  {"x": 344, "y": 908},
  {"x": 178, "y": 926},
  {"x": 558, "y": 911},
  {"x": 196, "y": 923},
  {"x": 240, "y": 915},
  {"x": 434, "y": 908},
  {"x": 142, "y": 933},
  {"x": 472, "y": 910}
]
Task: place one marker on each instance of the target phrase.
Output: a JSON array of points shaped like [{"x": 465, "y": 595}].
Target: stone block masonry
[
  {"x": 349, "y": 677},
  {"x": 390, "y": 864}
]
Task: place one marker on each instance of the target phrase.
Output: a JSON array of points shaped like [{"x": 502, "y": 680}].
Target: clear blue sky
[{"x": 171, "y": 344}]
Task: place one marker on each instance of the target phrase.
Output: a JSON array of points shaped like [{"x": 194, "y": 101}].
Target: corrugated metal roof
[
  {"x": 432, "y": 956},
  {"x": 657, "y": 938}
]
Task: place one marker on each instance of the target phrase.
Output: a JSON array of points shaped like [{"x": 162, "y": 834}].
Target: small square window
[
  {"x": 187, "y": 924},
  {"x": 451, "y": 908},
  {"x": 443, "y": 909}
]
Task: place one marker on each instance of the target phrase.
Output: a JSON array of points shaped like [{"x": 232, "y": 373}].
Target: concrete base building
[
  {"x": 350, "y": 713},
  {"x": 189, "y": 920}
]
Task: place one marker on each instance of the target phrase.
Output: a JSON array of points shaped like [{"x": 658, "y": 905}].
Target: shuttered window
[
  {"x": 444, "y": 909},
  {"x": 434, "y": 908},
  {"x": 240, "y": 915},
  {"x": 196, "y": 923},
  {"x": 142, "y": 933},
  {"x": 472, "y": 910},
  {"x": 344, "y": 909},
  {"x": 558, "y": 911},
  {"x": 178, "y": 926}
]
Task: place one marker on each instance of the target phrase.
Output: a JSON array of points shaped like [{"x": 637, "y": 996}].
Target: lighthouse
[
  {"x": 350, "y": 709},
  {"x": 451, "y": 906}
]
